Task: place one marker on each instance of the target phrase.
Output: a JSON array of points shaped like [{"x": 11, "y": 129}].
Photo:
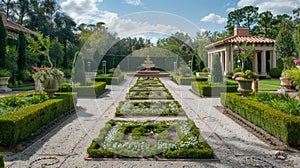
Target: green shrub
[
  {"x": 229, "y": 75},
  {"x": 275, "y": 72},
  {"x": 110, "y": 79},
  {"x": 205, "y": 69},
  {"x": 281, "y": 125},
  {"x": 4, "y": 73},
  {"x": 212, "y": 90},
  {"x": 19, "y": 125},
  {"x": 237, "y": 70},
  {"x": 85, "y": 91},
  {"x": 1, "y": 160},
  {"x": 188, "y": 80}
]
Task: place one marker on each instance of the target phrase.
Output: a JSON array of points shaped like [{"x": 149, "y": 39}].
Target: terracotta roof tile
[
  {"x": 240, "y": 39},
  {"x": 12, "y": 26}
]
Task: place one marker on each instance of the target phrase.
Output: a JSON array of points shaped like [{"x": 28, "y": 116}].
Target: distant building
[
  {"x": 13, "y": 28},
  {"x": 264, "y": 56}
]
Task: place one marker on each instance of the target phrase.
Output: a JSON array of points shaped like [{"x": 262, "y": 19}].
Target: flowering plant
[{"x": 42, "y": 74}]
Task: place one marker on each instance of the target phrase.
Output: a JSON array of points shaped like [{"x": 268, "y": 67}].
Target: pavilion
[
  {"x": 264, "y": 56},
  {"x": 13, "y": 28}
]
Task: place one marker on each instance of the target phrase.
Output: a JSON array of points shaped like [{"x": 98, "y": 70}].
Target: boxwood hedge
[
  {"x": 85, "y": 91},
  {"x": 284, "y": 126},
  {"x": 15, "y": 127},
  {"x": 210, "y": 90},
  {"x": 180, "y": 80},
  {"x": 110, "y": 79}
]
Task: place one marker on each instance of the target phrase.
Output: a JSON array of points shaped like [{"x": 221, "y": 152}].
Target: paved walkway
[{"x": 65, "y": 146}]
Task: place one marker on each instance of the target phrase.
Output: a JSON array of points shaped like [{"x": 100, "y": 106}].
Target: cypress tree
[
  {"x": 78, "y": 74},
  {"x": 217, "y": 76},
  {"x": 3, "y": 43},
  {"x": 21, "y": 50}
]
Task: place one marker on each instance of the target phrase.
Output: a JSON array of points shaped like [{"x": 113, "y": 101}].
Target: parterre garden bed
[
  {"x": 213, "y": 89},
  {"x": 85, "y": 91},
  {"x": 176, "y": 139},
  {"x": 26, "y": 113},
  {"x": 278, "y": 115},
  {"x": 149, "y": 108}
]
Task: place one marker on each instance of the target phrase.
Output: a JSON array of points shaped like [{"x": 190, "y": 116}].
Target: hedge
[
  {"x": 211, "y": 90},
  {"x": 284, "y": 126},
  {"x": 1, "y": 160},
  {"x": 110, "y": 79},
  {"x": 85, "y": 91},
  {"x": 180, "y": 80},
  {"x": 15, "y": 127}
]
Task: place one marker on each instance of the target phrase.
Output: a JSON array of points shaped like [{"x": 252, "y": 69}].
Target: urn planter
[
  {"x": 286, "y": 83},
  {"x": 51, "y": 86},
  {"x": 244, "y": 85},
  {"x": 3, "y": 84}
]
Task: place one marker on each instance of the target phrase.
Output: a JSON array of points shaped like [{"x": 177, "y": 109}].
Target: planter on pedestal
[
  {"x": 286, "y": 83},
  {"x": 50, "y": 86},
  {"x": 3, "y": 84},
  {"x": 244, "y": 85}
]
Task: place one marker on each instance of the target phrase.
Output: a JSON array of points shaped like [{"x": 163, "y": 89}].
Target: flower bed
[
  {"x": 22, "y": 123},
  {"x": 280, "y": 124},
  {"x": 168, "y": 139},
  {"x": 85, "y": 91},
  {"x": 209, "y": 89},
  {"x": 144, "y": 95},
  {"x": 152, "y": 108}
]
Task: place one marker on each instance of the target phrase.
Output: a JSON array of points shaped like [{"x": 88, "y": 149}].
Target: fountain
[{"x": 148, "y": 64}]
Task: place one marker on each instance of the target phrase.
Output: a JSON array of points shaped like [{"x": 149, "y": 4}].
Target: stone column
[
  {"x": 255, "y": 62},
  {"x": 222, "y": 61},
  {"x": 263, "y": 63},
  {"x": 226, "y": 62},
  {"x": 273, "y": 59}
]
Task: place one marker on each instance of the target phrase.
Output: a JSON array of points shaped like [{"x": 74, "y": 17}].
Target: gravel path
[{"x": 65, "y": 146}]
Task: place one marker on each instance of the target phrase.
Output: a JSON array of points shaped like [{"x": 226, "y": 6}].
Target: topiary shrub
[
  {"x": 275, "y": 72},
  {"x": 216, "y": 74},
  {"x": 205, "y": 69}
]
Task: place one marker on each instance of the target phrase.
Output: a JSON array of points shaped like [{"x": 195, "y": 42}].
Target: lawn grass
[
  {"x": 23, "y": 88},
  {"x": 269, "y": 84}
]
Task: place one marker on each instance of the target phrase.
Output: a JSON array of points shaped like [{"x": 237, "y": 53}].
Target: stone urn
[
  {"x": 244, "y": 85},
  {"x": 286, "y": 82},
  {"x": 50, "y": 86},
  {"x": 3, "y": 84}
]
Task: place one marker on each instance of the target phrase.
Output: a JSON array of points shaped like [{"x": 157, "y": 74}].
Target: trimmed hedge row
[
  {"x": 110, "y": 79},
  {"x": 210, "y": 90},
  {"x": 85, "y": 91},
  {"x": 15, "y": 127},
  {"x": 284, "y": 126},
  {"x": 180, "y": 80}
]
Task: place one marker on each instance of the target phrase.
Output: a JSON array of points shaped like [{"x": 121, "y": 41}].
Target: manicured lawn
[
  {"x": 269, "y": 84},
  {"x": 23, "y": 88}
]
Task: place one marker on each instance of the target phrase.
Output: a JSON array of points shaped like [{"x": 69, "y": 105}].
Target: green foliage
[
  {"x": 3, "y": 43},
  {"x": 216, "y": 74},
  {"x": 188, "y": 80},
  {"x": 21, "y": 51},
  {"x": 285, "y": 47},
  {"x": 84, "y": 91},
  {"x": 4, "y": 73},
  {"x": 110, "y": 79},
  {"x": 212, "y": 89},
  {"x": 248, "y": 74},
  {"x": 205, "y": 69},
  {"x": 56, "y": 53},
  {"x": 237, "y": 70},
  {"x": 294, "y": 74},
  {"x": 78, "y": 74},
  {"x": 1, "y": 160},
  {"x": 275, "y": 72},
  {"x": 19, "y": 125},
  {"x": 229, "y": 75},
  {"x": 280, "y": 124}
]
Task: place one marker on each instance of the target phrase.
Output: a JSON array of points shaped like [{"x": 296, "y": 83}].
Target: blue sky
[{"x": 202, "y": 14}]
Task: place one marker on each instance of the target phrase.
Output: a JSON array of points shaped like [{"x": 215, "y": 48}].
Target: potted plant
[
  {"x": 286, "y": 79},
  {"x": 293, "y": 76},
  {"x": 4, "y": 77},
  {"x": 47, "y": 76},
  {"x": 245, "y": 81}
]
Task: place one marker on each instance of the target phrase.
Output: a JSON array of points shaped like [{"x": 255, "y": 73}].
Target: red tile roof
[
  {"x": 14, "y": 27},
  {"x": 240, "y": 39}
]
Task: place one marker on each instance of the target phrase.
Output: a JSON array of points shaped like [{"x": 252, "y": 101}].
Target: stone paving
[{"x": 65, "y": 146}]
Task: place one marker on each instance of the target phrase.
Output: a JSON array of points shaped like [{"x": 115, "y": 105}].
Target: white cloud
[
  {"x": 134, "y": 2},
  {"x": 213, "y": 18},
  {"x": 85, "y": 11},
  {"x": 275, "y": 6},
  {"x": 230, "y": 9}
]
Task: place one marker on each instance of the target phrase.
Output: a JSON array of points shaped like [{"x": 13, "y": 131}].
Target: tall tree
[
  {"x": 21, "y": 51},
  {"x": 265, "y": 24},
  {"x": 3, "y": 43},
  {"x": 285, "y": 47}
]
